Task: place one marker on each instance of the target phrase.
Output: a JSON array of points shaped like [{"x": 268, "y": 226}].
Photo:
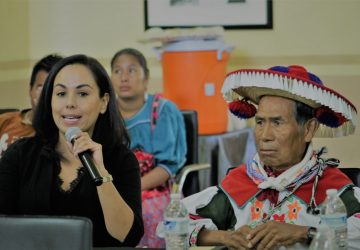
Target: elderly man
[
  {"x": 14, "y": 125},
  {"x": 274, "y": 199}
]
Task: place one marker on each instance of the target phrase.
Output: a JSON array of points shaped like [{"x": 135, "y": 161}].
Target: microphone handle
[{"x": 87, "y": 162}]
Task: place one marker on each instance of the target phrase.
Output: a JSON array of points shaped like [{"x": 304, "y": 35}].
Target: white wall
[{"x": 322, "y": 35}]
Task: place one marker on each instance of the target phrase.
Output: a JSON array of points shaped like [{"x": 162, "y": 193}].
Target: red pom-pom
[
  {"x": 329, "y": 118},
  {"x": 242, "y": 109}
]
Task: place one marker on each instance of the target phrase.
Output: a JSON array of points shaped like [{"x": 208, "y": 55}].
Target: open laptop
[{"x": 45, "y": 232}]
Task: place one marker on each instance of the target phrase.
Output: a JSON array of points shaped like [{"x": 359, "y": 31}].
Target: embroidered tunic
[{"x": 238, "y": 201}]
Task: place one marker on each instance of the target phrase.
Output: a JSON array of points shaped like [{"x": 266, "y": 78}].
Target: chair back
[
  {"x": 353, "y": 174},
  {"x": 5, "y": 110},
  {"x": 189, "y": 177},
  {"x": 192, "y": 136},
  {"x": 45, "y": 232}
]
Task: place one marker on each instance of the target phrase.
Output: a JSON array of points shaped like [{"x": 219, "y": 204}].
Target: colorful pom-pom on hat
[
  {"x": 336, "y": 115},
  {"x": 242, "y": 109}
]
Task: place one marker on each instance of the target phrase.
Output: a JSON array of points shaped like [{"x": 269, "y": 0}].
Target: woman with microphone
[{"x": 43, "y": 175}]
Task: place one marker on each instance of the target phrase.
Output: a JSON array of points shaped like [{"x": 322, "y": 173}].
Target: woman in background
[
  {"x": 43, "y": 175},
  {"x": 157, "y": 133}
]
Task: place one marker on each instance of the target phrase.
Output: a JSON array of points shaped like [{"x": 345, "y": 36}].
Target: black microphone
[{"x": 85, "y": 157}]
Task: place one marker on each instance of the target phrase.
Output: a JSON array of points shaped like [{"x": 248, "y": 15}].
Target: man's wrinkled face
[{"x": 280, "y": 140}]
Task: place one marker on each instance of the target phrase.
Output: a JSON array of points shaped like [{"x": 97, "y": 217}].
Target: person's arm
[
  {"x": 154, "y": 178},
  {"x": 230, "y": 239},
  {"x": 118, "y": 215},
  {"x": 275, "y": 233},
  {"x": 126, "y": 174},
  {"x": 169, "y": 144},
  {"x": 214, "y": 221},
  {"x": 213, "y": 237},
  {"x": 220, "y": 212}
]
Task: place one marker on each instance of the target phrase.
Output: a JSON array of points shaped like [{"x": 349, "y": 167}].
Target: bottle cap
[
  {"x": 331, "y": 192},
  {"x": 323, "y": 227},
  {"x": 175, "y": 196}
]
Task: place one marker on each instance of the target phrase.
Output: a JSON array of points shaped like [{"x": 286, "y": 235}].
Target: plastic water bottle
[
  {"x": 333, "y": 214},
  {"x": 324, "y": 239},
  {"x": 176, "y": 223}
]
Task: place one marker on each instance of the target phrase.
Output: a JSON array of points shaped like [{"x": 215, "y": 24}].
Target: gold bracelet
[{"x": 108, "y": 178}]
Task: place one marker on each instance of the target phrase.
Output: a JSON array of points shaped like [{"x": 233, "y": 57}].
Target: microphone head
[{"x": 71, "y": 133}]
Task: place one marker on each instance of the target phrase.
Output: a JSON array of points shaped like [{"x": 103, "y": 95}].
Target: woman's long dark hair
[{"x": 109, "y": 129}]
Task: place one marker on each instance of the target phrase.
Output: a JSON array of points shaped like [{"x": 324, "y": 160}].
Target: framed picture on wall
[{"x": 231, "y": 14}]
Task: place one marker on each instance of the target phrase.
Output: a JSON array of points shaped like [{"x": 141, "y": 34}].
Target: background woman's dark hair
[
  {"x": 46, "y": 63},
  {"x": 109, "y": 129},
  {"x": 135, "y": 53}
]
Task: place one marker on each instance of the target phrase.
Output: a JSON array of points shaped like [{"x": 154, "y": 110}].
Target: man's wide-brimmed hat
[{"x": 336, "y": 114}]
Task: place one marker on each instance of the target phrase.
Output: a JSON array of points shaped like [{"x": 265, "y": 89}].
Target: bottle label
[
  {"x": 176, "y": 225},
  {"x": 335, "y": 221}
]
